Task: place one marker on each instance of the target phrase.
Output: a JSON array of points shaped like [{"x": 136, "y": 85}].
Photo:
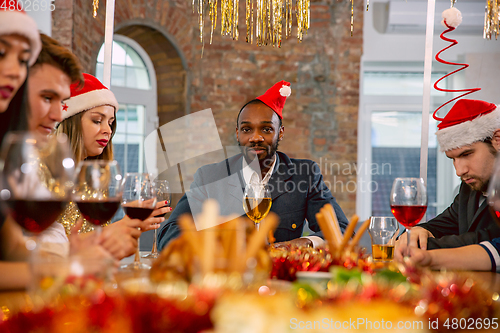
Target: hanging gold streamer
[
  {"x": 302, "y": 18},
  {"x": 95, "y": 5},
  {"x": 265, "y": 19},
  {"x": 247, "y": 19},
  {"x": 491, "y": 19},
  {"x": 212, "y": 13},
  {"x": 352, "y": 17}
]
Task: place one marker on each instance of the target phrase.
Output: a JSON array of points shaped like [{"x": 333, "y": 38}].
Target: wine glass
[
  {"x": 138, "y": 202},
  {"x": 494, "y": 192},
  {"x": 383, "y": 232},
  {"x": 408, "y": 203},
  {"x": 98, "y": 191},
  {"x": 36, "y": 180},
  {"x": 257, "y": 202},
  {"x": 162, "y": 190}
]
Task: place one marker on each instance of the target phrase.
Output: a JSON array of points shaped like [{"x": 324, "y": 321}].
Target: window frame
[
  {"x": 446, "y": 176},
  {"x": 147, "y": 98}
]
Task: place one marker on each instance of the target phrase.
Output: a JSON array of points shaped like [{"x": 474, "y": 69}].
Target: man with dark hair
[
  {"x": 49, "y": 84},
  {"x": 296, "y": 185},
  {"x": 469, "y": 135}
]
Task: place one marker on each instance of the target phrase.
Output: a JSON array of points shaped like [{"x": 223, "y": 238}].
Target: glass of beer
[
  {"x": 383, "y": 232},
  {"x": 257, "y": 202}
]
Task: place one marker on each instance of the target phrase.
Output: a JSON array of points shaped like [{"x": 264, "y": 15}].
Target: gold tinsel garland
[
  {"x": 95, "y": 5},
  {"x": 265, "y": 19},
  {"x": 491, "y": 19}
]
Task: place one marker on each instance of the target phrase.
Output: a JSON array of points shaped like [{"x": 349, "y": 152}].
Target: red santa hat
[
  {"x": 91, "y": 95},
  {"x": 467, "y": 122},
  {"x": 275, "y": 97},
  {"x": 14, "y": 21}
]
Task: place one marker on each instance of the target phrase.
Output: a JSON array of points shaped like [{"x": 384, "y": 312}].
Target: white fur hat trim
[
  {"x": 90, "y": 100},
  {"x": 468, "y": 132}
]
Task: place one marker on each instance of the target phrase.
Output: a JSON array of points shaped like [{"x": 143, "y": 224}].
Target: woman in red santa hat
[{"x": 90, "y": 123}]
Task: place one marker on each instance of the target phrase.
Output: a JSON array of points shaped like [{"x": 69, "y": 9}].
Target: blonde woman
[{"x": 90, "y": 122}]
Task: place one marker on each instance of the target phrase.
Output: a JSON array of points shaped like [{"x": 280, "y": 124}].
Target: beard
[
  {"x": 266, "y": 160},
  {"x": 479, "y": 185}
]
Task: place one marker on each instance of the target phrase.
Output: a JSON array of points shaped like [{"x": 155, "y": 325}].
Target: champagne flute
[
  {"x": 408, "y": 203},
  {"x": 163, "y": 193},
  {"x": 97, "y": 191},
  {"x": 36, "y": 180},
  {"x": 138, "y": 202},
  {"x": 257, "y": 202}
]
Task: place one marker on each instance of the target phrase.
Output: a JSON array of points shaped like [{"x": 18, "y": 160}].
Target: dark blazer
[
  {"x": 463, "y": 223},
  {"x": 297, "y": 190}
]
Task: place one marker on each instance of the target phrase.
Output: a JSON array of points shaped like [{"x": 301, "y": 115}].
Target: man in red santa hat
[
  {"x": 469, "y": 135},
  {"x": 296, "y": 185}
]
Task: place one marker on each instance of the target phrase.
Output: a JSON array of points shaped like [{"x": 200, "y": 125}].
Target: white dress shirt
[{"x": 250, "y": 176}]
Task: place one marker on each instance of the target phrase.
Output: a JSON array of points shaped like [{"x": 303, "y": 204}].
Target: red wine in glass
[
  {"x": 97, "y": 191},
  {"x": 35, "y": 216},
  {"x": 140, "y": 213},
  {"x": 495, "y": 213},
  {"x": 408, "y": 216},
  {"x": 408, "y": 203},
  {"x": 98, "y": 212},
  {"x": 138, "y": 202}
]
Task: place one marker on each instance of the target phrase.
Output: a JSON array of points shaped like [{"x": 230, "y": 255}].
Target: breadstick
[
  {"x": 209, "y": 221},
  {"x": 359, "y": 233},
  {"x": 337, "y": 234},
  {"x": 190, "y": 233},
  {"x": 349, "y": 230},
  {"x": 258, "y": 237},
  {"x": 327, "y": 232},
  {"x": 238, "y": 245}
]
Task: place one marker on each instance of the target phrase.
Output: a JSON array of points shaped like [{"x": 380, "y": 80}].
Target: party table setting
[{"x": 229, "y": 276}]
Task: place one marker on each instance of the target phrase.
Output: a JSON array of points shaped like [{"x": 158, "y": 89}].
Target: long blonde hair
[{"x": 72, "y": 127}]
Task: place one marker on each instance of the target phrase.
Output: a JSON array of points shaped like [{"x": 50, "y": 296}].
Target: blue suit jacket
[{"x": 297, "y": 190}]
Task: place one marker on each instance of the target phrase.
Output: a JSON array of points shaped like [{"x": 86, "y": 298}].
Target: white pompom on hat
[
  {"x": 15, "y": 21},
  {"x": 91, "y": 95},
  {"x": 452, "y": 17}
]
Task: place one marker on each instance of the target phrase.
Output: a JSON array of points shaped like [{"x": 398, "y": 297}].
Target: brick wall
[{"x": 320, "y": 117}]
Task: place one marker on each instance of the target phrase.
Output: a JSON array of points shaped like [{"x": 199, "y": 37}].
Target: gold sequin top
[
  {"x": 71, "y": 213},
  {"x": 70, "y": 216}
]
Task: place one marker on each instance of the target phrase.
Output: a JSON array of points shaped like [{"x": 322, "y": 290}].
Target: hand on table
[
  {"x": 89, "y": 245},
  {"x": 418, "y": 257},
  {"x": 297, "y": 242},
  {"x": 418, "y": 236}
]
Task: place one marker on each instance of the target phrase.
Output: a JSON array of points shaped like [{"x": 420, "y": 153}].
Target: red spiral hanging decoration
[{"x": 464, "y": 66}]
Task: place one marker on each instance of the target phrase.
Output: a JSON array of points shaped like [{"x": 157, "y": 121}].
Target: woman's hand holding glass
[{"x": 138, "y": 202}]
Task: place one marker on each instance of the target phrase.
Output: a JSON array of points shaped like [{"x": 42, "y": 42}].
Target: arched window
[{"x": 133, "y": 81}]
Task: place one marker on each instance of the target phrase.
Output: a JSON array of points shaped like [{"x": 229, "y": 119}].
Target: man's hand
[
  {"x": 418, "y": 257},
  {"x": 89, "y": 246},
  {"x": 298, "y": 242},
  {"x": 120, "y": 238},
  {"x": 418, "y": 235}
]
